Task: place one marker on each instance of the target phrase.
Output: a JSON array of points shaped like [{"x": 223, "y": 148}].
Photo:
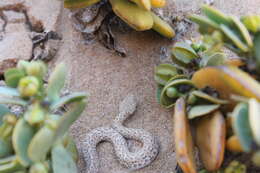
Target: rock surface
[{"x": 18, "y": 20}]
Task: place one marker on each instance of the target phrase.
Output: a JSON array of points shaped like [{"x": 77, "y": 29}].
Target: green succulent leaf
[
  {"x": 200, "y": 110},
  {"x": 3, "y": 111},
  {"x": 13, "y": 101},
  {"x": 11, "y": 167},
  {"x": 41, "y": 144},
  {"x": 5, "y": 147},
  {"x": 242, "y": 127},
  {"x": 167, "y": 101},
  {"x": 75, "y": 97},
  {"x": 62, "y": 160},
  {"x": 214, "y": 59},
  {"x": 187, "y": 47},
  {"x": 8, "y": 159},
  {"x": 254, "y": 118},
  {"x": 39, "y": 167},
  {"x": 243, "y": 31},
  {"x": 13, "y": 76},
  {"x": 56, "y": 82},
  {"x": 183, "y": 52},
  {"x": 234, "y": 38},
  {"x": 164, "y": 72},
  {"x": 69, "y": 117},
  {"x": 257, "y": 48},
  {"x": 203, "y": 96},
  {"x": 22, "y": 136},
  {"x": 206, "y": 25},
  {"x": 216, "y": 15},
  {"x": 71, "y": 147},
  {"x": 9, "y": 92}
]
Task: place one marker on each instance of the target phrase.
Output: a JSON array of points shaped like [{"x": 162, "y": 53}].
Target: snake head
[
  {"x": 126, "y": 108},
  {"x": 128, "y": 105}
]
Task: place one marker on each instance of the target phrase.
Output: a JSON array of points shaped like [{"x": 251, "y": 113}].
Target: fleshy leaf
[
  {"x": 3, "y": 110},
  {"x": 69, "y": 117},
  {"x": 62, "y": 160},
  {"x": 216, "y": 15},
  {"x": 10, "y": 92},
  {"x": 41, "y": 144},
  {"x": 241, "y": 126},
  {"x": 75, "y": 97},
  {"x": 56, "y": 82},
  {"x": 13, "y": 76},
  {"x": 234, "y": 38},
  {"x": 257, "y": 48},
  {"x": 200, "y": 110},
  {"x": 22, "y": 135},
  {"x": 164, "y": 72},
  {"x": 13, "y": 101}
]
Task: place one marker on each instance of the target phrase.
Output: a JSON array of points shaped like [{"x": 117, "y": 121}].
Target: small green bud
[
  {"x": 10, "y": 119},
  {"x": 38, "y": 168},
  {"x": 192, "y": 99},
  {"x": 13, "y": 76},
  {"x": 23, "y": 64},
  {"x": 172, "y": 92},
  {"x": 36, "y": 68},
  {"x": 203, "y": 47},
  {"x": 196, "y": 46},
  {"x": 35, "y": 114},
  {"x": 252, "y": 23},
  {"x": 28, "y": 86}
]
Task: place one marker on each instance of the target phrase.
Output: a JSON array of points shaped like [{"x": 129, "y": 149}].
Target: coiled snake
[{"x": 117, "y": 134}]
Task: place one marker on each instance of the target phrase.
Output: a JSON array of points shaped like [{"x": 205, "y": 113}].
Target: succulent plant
[
  {"x": 136, "y": 13},
  {"x": 37, "y": 140},
  {"x": 219, "y": 95},
  {"x": 242, "y": 35}
]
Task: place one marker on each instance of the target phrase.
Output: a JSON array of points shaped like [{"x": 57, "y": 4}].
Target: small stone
[{"x": 14, "y": 17}]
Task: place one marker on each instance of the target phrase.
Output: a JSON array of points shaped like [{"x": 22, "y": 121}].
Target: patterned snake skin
[{"x": 117, "y": 134}]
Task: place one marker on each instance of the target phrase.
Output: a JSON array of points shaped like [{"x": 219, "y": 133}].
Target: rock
[
  {"x": 16, "y": 43},
  {"x": 1, "y": 25},
  {"x": 14, "y": 17},
  {"x": 45, "y": 12},
  {"x": 15, "y": 40},
  {"x": 7, "y": 3}
]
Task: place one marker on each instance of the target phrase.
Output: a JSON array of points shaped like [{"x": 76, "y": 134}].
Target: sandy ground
[{"x": 108, "y": 78}]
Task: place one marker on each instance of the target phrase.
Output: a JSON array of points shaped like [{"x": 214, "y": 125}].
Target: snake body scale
[{"x": 117, "y": 134}]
